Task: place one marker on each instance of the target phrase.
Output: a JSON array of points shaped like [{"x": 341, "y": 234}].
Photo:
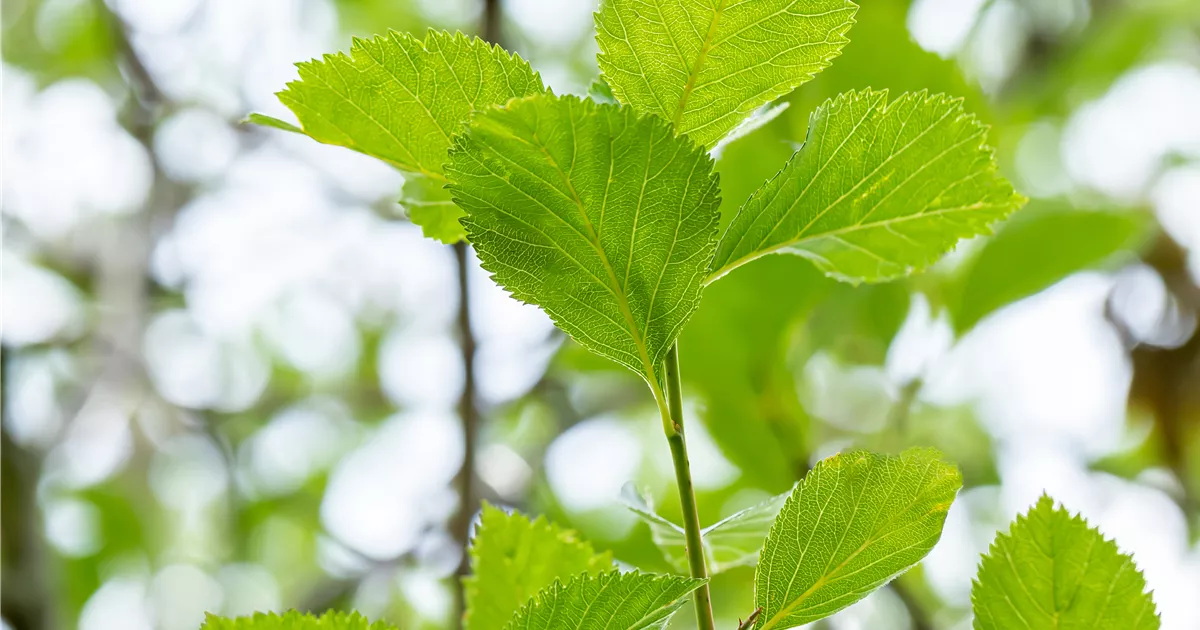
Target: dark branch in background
[
  {"x": 467, "y": 484},
  {"x": 119, "y": 276},
  {"x": 749, "y": 622},
  {"x": 898, "y": 423},
  {"x": 467, "y": 410},
  {"x": 122, "y": 268},
  {"x": 124, "y": 285},
  {"x": 492, "y": 12},
  {"x": 25, "y": 600},
  {"x": 916, "y": 610},
  {"x": 1165, "y": 379},
  {"x": 898, "y": 415}
]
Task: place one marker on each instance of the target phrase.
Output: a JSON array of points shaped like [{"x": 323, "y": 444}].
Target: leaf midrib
[
  {"x": 657, "y": 607},
  {"x": 883, "y": 107},
  {"x": 705, "y": 47},
  {"x": 894, "y": 155},
  {"x": 871, "y": 540},
  {"x": 614, "y": 286},
  {"x": 719, "y": 273}
]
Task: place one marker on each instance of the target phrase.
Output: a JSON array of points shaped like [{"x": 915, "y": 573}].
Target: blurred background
[{"x": 233, "y": 374}]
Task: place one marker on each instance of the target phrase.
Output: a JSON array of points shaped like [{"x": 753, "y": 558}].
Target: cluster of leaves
[
  {"x": 605, "y": 212},
  {"x": 854, "y": 523}
]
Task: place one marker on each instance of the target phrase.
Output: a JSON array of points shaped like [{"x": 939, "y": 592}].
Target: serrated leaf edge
[
  {"x": 558, "y": 586},
  {"x": 837, "y": 37},
  {"x": 651, "y": 368},
  {"x": 834, "y": 104},
  {"x": 1055, "y": 507},
  {"x": 401, "y": 38}
]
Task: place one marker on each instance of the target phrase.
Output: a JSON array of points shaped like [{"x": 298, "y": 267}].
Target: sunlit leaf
[
  {"x": 293, "y": 620},
  {"x": 604, "y": 219},
  {"x": 609, "y": 601},
  {"x": 512, "y": 558},
  {"x": 733, "y": 541},
  {"x": 400, "y": 99},
  {"x": 1052, "y": 571},
  {"x": 856, "y": 522},
  {"x": 877, "y": 191},
  {"x": 705, "y": 66}
]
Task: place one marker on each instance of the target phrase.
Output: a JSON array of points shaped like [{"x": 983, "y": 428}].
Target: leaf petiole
[{"x": 687, "y": 494}]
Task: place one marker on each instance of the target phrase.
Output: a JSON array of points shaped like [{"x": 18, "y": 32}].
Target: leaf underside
[
  {"x": 734, "y": 541},
  {"x": 609, "y": 601},
  {"x": 604, "y": 219},
  {"x": 857, "y": 521},
  {"x": 878, "y": 190},
  {"x": 705, "y": 65},
  {"x": 293, "y": 620},
  {"x": 428, "y": 204},
  {"x": 401, "y": 99},
  {"x": 1052, "y": 571},
  {"x": 512, "y": 558}
]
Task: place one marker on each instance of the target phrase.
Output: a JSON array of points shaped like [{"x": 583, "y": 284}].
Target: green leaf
[
  {"x": 400, "y": 99},
  {"x": 600, "y": 92},
  {"x": 609, "y": 601},
  {"x": 1052, "y": 571},
  {"x": 293, "y": 620},
  {"x": 604, "y": 219},
  {"x": 429, "y": 205},
  {"x": 731, "y": 542},
  {"x": 512, "y": 558},
  {"x": 707, "y": 65},
  {"x": 1039, "y": 247},
  {"x": 877, "y": 191},
  {"x": 856, "y": 522}
]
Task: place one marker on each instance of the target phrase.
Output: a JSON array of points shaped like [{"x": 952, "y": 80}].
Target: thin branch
[
  {"x": 26, "y": 601},
  {"x": 916, "y": 611},
  {"x": 1164, "y": 378},
  {"x": 468, "y": 410},
  {"x": 898, "y": 420},
  {"x": 898, "y": 415},
  {"x": 749, "y": 622},
  {"x": 492, "y": 14},
  {"x": 468, "y": 413}
]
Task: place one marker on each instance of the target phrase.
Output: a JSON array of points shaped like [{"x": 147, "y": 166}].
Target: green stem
[{"x": 687, "y": 495}]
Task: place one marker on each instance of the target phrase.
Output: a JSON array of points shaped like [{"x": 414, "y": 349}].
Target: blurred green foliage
[{"x": 744, "y": 359}]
